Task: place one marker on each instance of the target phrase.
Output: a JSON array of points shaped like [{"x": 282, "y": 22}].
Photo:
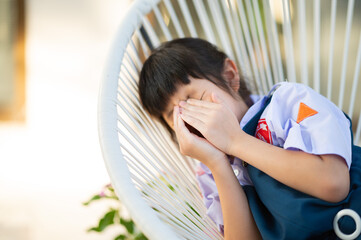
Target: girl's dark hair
[{"x": 172, "y": 63}]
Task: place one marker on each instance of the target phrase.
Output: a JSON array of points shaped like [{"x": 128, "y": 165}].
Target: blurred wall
[{"x": 52, "y": 163}]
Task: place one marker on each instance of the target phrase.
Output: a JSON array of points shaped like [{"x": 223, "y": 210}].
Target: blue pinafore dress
[{"x": 281, "y": 212}]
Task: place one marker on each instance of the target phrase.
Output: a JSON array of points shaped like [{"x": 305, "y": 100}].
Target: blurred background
[{"x": 51, "y": 58}]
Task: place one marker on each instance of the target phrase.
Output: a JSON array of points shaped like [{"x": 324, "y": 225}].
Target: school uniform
[{"x": 294, "y": 118}]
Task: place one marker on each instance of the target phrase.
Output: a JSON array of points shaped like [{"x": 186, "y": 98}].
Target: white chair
[{"x": 292, "y": 40}]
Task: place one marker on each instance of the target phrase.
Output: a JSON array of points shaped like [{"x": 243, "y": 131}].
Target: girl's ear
[{"x": 230, "y": 74}]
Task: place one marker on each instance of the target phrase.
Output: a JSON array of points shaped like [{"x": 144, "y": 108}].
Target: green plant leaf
[
  {"x": 104, "y": 222},
  {"x": 94, "y": 198},
  {"x": 120, "y": 237},
  {"x": 140, "y": 236},
  {"x": 128, "y": 224}
]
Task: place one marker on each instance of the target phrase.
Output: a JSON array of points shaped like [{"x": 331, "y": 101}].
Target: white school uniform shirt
[{"x": 297, "y": 118}]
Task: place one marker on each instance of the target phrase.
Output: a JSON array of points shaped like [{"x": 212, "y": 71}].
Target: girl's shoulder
[
  {"x": 303, "y": 105},
  {"x": 293, "y": 101},
  {"x": 301, "y": 118},
  {"x": 291, "y": 98},
  {"x": 293, "y": 90}
]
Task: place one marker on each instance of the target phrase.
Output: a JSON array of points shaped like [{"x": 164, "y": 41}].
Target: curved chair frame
[{"x": 150, "y": 177}]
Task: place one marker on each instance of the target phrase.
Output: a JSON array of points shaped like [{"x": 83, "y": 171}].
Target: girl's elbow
[
  {"x": 337, "y": 190},
  {"x": 336, "y": 178}
]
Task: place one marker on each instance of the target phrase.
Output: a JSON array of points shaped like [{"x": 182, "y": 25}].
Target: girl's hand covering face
[
  {"x": 214, "y": 120},
  {"x": 193, "y": 145}
]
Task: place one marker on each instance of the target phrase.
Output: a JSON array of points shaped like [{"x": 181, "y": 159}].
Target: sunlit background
[{"x": 51, "y": 162}]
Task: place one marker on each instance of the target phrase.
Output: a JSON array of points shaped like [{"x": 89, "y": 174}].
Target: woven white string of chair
[{"x": 315, "y": 42}]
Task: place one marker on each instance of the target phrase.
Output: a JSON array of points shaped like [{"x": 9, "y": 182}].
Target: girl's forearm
[
  {"x": 237, "y": 217},
  {"x": 322, "y": 176}
]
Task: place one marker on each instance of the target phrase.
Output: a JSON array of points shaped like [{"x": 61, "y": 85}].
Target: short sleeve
[
  {"x": 301, "y": 119},
  {"x": 210, "y": 194}
]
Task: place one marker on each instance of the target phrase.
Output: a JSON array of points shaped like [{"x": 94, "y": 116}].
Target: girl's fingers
[
  {"x": 198, "y": 106},
  {"x": 183, "y": 131},
  {"x": 192, "y": 120},
  {"x": 216, "y": 99},
  {"x": 196, "y": 114},
  {"x": 198, "y": 103},
  {"x": 179, "y": 126},
  {"x": 195, "y": 109}
]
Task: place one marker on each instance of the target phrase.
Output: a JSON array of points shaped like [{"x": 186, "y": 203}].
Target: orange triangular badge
[{"x": 304, "y": 112}]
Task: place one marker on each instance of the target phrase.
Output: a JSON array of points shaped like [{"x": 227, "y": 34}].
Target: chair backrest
[{"x": 302, "y": 41}]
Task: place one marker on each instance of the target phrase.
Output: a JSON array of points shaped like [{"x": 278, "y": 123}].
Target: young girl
[{"x": 296, "y": 143}]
